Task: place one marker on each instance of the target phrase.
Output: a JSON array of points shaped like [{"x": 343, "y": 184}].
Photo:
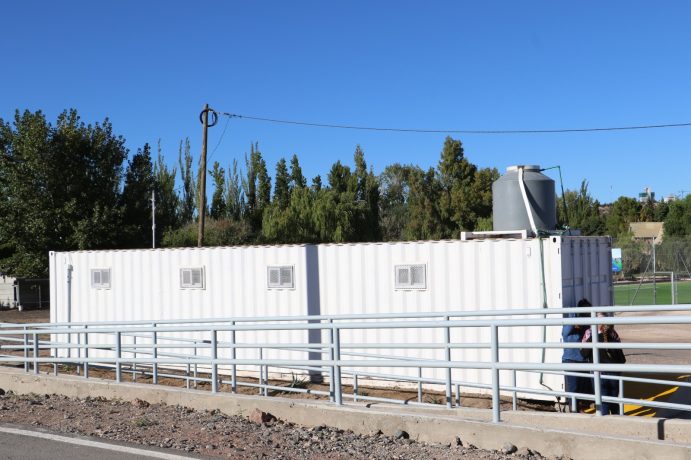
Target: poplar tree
[
  {"x": 167, "y": 199},
  {"x": 296, "y": 177},
  {"x": 136, "y": 200},
  {"x": 282, "y": 185},
  {"x": 188, "y": 201},
  {"x": 218, "y": 200}
]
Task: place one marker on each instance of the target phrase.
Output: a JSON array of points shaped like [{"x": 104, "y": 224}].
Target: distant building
[
  {"x": 647, "y": 230},
  {"x": 646, "y": 195},
  {"x": 24, "y": 292}
]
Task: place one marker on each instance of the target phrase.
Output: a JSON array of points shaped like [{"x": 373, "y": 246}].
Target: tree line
[{"x": 69, "y": 186}]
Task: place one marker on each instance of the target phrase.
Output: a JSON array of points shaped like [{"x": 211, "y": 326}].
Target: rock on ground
[{"x": 214, "y": 434}]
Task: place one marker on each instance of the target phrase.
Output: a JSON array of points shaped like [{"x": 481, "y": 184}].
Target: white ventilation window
[
  {"x": 192, "y": 278},
  {"x": 100, "y": 278},
  {"x": 411, "y": 276},
  {"x": 280, "y": 277}
]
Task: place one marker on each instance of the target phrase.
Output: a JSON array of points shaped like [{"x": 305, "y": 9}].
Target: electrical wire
[
  {"x": 456, "y": 131},
  {"x": 220, "y": 139}
]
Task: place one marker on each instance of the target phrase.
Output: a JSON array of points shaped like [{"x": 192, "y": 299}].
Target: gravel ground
[{"x": 213, "y": 434}]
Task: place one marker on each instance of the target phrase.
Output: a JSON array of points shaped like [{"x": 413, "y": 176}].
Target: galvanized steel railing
[{"x": 153, "y": 349}]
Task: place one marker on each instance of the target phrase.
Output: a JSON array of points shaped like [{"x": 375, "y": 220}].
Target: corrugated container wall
[{"x": 336, "y": 279}]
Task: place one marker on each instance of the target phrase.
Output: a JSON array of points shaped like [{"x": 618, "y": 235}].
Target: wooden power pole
[{"x": 202, "y": 178}]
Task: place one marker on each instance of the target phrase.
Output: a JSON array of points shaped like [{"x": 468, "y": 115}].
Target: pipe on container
[{"x": 521, "y": 184}]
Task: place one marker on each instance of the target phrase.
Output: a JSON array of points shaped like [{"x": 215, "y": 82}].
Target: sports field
[{"x": 624, "y": 294}]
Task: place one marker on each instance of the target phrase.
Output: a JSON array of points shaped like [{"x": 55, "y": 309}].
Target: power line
[
  {"x": 220, "y": 139},
  {"x": 457, "y": 131}
]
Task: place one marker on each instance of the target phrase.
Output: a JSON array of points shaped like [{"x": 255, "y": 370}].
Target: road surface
[{"x": 17, "y": 443}]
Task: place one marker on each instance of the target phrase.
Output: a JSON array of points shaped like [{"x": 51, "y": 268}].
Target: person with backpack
[
  {"x": 574, "y": 334},
  {"x": 610, "y": 387}
]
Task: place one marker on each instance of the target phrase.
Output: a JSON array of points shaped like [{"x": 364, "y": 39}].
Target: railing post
[
  {"x": 154, "y": 354},
  {"x": 514, "y": 397},
  {"x": 447, "y": 356},
  {"x": 621, "y": 395},
  {"x": 337, "y": 366},
  {"x": 261, "y": 373},
  {"x": 86, "y": 353},
  {"x": 54, "y": 355},
  {"x": 26, "y": 350},
  {"x": 419, "y": 384},
  {"x": 79, "y": 352},
  {"x": 196, "y": 373},
  {"x": 134, "y": 355},
  {"x": 118, "y": 353},
  {"x": 35, "y": 353},
  {"x": 355, "y": 387},
  {"x": 496, "y": 407},
  {"x": 233, "y": 355},
  {"x": 597, "y": 381},
  {"x": 187, "y": 384},
  {"x": 214, "y": 365},
  {"x": 332, "y": 369}
]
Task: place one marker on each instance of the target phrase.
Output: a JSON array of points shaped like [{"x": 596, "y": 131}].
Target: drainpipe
[
  {"x": 533, "y": 227},
  {"x": 528, "y": 208},
  {"x": 69, "y": 305}
]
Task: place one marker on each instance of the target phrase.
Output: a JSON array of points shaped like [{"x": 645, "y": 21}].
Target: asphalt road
[{"x": 21, "y": 444}]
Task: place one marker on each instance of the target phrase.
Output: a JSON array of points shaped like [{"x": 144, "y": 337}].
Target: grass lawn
[{"x": 624, "y": 294}]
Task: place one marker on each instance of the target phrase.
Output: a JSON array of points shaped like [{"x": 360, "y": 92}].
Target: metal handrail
[{"x": 119, "y": 344}]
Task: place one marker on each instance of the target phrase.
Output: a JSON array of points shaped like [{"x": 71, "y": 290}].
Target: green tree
[
  {"x": 584, "y": 211},
  {"x": 234, "y": 197},
  {"x": 59, "y": 187},
  {"x": 188, "y": 201},
  {"x": 317, "y": 183},
  {"x": 465, "y": 192},
  {"x": 621, "y": 213},
  {"x": 296, "y": 177},
  {"x": 661, "y": 210},
  {"x": 393, "y": 206},
  {"x": 218, "y": 200},
  {"x": 678, "y": 220},
  {"x": 339, "y": 177},
  {"x": 257, "y": 188},
  {"x": 425, "y": 221},
  {"x": 282, "y": 185},
  {"x": 167, "y": 199},
  {"x": 136, "y": 199},
  {"x": 648, "y": 211}
]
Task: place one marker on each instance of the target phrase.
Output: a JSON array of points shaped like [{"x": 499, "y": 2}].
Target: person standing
[
  {"x": 610, "y": 387},
  {"x": 574, "y": 334}
]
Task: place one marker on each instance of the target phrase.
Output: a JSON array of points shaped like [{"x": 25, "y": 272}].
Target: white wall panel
[{"x": 338, "y": 279}]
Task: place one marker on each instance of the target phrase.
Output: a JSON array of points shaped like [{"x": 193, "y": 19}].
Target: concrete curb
[{"x": 574, "y": 436}]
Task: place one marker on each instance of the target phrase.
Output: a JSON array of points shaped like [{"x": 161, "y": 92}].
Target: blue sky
[{"x": 150, "y": 67}]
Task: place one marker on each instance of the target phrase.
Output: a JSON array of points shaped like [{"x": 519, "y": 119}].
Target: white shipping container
[{"x": 334, "y": 279}]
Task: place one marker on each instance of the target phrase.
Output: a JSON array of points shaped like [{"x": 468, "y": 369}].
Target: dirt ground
[
  {"x": 213, "y": 434},
  {"x": 27, "y": 316}
]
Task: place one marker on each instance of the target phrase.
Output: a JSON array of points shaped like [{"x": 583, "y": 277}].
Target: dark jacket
[{"x": 607, "y": 355}]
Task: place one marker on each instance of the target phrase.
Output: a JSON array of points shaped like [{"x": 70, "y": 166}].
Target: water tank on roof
[{"x": 510, "y": 205}]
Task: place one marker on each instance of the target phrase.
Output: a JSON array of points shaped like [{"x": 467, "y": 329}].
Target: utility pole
[
  {"x": 153, "y": 219},
  {"x": 202, "y": 180}
]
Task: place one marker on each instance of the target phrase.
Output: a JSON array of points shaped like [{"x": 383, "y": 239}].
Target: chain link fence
[{"x": 653, "y": 274}]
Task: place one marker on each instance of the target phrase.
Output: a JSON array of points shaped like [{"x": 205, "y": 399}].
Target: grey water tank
[{"x": 508, "y": 206}]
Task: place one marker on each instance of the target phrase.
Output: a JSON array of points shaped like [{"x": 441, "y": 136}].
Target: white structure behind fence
[{"x": 432, "y": 277}]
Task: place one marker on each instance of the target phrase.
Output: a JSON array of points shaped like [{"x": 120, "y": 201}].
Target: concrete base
[{"x": 571, "y": 435}]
